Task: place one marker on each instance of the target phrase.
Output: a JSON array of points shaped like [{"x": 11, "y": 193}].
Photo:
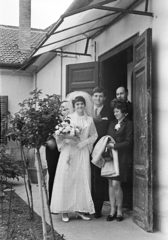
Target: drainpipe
[
  {"x": 95, "y": 51},
  {"x": 35, "y": 80},
  {"x": 61, "y": 73},
  {"x": 25, "y": 26}
]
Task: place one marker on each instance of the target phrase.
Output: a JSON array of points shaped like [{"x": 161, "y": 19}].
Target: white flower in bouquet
[
  {"x": 64, "y": 131},
  {"x": 72, "y": 132},
  {"x": 67, "y": 129},
  {"x": 57, "y": 132}
]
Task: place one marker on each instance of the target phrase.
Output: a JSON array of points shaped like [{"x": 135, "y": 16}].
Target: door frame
[{"x": 112, "y": 52}]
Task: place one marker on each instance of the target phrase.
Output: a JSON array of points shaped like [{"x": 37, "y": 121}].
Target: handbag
[
  {"x": 108, "y": 169},
  {"x": 106, "y": 155}
]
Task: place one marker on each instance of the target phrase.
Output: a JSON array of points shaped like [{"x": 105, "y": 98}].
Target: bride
[{"x": 72, "y": 184}]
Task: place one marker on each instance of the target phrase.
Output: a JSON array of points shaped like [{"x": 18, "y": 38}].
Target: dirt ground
[{"x": 15, "y": 221}]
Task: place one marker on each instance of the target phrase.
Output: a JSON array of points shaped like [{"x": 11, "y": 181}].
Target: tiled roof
[{"x": 9, "y": 40}]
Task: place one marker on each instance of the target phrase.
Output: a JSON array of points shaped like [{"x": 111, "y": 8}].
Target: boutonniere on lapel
[
  {"x": 117, "y": 126},
  {"x": 104, "y": 118}
]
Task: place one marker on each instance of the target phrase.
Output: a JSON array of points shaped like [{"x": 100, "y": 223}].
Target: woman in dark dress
[{"x": 121, "y": 130}]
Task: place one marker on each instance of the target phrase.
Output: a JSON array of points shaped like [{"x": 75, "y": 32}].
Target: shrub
[{"x": 9, "y": 168}]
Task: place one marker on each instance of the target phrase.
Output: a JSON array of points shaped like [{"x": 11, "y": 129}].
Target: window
[{"x": 4, "y": 111}]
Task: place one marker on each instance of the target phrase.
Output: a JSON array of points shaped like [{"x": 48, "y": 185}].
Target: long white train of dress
[{"x": 72, "y": 183}]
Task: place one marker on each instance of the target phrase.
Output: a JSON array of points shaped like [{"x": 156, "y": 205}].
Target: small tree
[{"x": 32, "y": 126}]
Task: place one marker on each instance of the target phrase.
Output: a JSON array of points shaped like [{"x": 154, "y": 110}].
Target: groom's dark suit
[{"x": 100, "y": 184}]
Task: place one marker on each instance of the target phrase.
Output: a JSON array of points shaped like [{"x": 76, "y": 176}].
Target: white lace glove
[{"x": 70, "y": 142}]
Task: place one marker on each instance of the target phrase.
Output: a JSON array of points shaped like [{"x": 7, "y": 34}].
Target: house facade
[{"x": 131, "y": 51}]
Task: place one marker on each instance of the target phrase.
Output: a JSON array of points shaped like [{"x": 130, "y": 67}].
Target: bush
[{"x": 9, "y": 168}]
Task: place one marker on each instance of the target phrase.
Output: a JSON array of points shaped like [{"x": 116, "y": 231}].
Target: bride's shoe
[
  {"x": 82, "y": 216},
  {"x": 65, "y": 217}
]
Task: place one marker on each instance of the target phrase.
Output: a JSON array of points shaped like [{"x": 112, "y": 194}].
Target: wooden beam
[
  {"x": 86, "y": 47},
  {"x": 73, "y": 42},
  {"x": 72, "y": 53},
  {"x": 116, "y": 19},
  {"x": 73, "y": 36},
  {"x": 130, "y": 11},
  {"x": 78, "y": 25}
]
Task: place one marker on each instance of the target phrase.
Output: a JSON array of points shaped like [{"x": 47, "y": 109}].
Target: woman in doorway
[
  {"x": 121, "y": 131},
  {"x": 72, "y": 184}
]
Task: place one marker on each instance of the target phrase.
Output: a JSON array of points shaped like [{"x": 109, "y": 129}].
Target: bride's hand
[
  {"x": 71, "y": 142},
  {"x": 82, "y": 144}
]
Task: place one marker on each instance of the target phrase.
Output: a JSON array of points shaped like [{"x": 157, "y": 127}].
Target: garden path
[{"x": 96, "y": 229}]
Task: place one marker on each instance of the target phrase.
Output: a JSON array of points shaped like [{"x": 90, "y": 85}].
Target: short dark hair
[
  {"x": 78, "y": 99},
  {"x": 99, "y": 90},
  {"x": 119, "y": 104},
  {"x": 126, "y": 89}
]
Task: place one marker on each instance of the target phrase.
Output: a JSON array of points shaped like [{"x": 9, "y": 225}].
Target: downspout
[
  {"x": 95, "y": 51},
  {"x": 61, "y": 74},
  {"x": 35, "y": 80}
]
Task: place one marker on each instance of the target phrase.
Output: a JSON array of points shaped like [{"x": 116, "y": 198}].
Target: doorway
[{"x": 117, "y": 71}]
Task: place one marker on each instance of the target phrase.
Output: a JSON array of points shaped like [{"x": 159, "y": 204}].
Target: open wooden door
[
  {"x": 142, "y": 186},
  {"x": 82, "y": 76}
]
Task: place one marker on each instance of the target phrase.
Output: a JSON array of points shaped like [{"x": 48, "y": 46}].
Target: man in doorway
[
  {"x": 122, "y": 93},
  {"x": 52, "y": 156},
  {"x": 102, "y": 121}
]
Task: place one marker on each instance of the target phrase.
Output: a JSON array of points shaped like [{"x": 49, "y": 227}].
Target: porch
[{"x": 77, "y": 229}]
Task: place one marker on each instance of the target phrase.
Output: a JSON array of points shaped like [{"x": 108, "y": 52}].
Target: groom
[{"x": 102, "y": 121}]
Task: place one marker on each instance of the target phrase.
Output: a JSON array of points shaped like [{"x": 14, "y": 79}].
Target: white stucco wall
[
  {"x": 16, "y": 86},
  {"x": 49, "y": 77}
]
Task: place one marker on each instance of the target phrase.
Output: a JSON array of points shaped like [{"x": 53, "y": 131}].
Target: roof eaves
[
  {"x": 11, "y": 65},
  {"x": 10, "y": 55}
]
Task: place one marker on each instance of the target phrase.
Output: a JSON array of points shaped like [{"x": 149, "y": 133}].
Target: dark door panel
[
  {"x": 82, "y": 76},
  {"x": 142, "y": 172}
]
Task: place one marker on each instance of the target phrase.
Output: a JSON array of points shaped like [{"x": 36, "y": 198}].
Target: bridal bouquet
[{"x": 67, "y": 129}]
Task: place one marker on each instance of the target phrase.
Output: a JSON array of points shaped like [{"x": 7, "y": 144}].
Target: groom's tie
[{"x": 96, "y": 114}]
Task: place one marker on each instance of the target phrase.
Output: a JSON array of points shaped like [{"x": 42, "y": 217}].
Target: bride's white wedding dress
[{"x": 72, "y": 184}]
